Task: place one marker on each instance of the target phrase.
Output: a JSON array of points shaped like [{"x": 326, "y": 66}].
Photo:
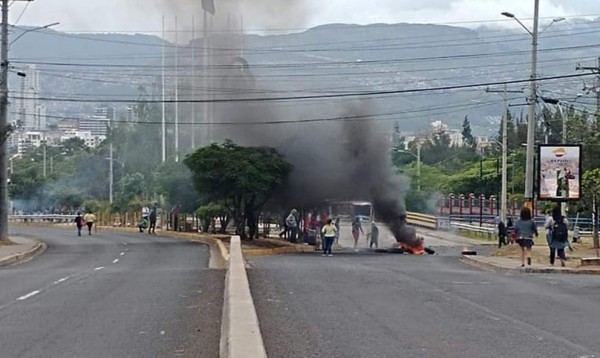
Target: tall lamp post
[{"x": 529, "y": 164}]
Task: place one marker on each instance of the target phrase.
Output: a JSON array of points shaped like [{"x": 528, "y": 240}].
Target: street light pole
[
  {"x": 504, "y": 144},
  {"x": 419, "y": 167},
  {"x": 529, "y": 170}
]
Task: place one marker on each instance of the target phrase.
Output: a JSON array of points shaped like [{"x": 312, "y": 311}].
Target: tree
[
  {"x": 591, "y": 189},
  {"x": 467, "y": 135},
  {"x": 207, "y": 213},
  {"x": 242, "y": 178}
]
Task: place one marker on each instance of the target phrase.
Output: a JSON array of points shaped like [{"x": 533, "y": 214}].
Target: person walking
[
  {"x": 79, "y": 223},
  {"x": 526, "y": 229},
  {"x": 510, "y": 231},
  {"x": 152, "y": 216},
  {"x": 328, "y": 231},
  {"x": 89, "y": 219},
  {"x": 502, "y": 234},
  {"x": 292, "y": 223},
  {"x": 559, "y": 236},
  {"x": 356, "y": 231},
  {"x": 374, "y": 235}
]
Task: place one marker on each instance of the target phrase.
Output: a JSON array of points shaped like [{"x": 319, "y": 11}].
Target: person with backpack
[
  {"x": 79, "y": 222},
  {"x": 558, "y": 227}
]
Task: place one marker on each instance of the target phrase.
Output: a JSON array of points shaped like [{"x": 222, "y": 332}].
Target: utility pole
[
  {"x": 4, "y": 127},
  {"x": 176, "y": 92},
  {"x": 164, "y": 110},
  {"x": 529, "y": 170},
  {"x": 504, "y": 190},
  {"x": 193, "y": 82}
]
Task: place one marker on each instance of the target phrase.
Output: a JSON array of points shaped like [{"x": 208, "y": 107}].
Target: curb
[
  {"x": 277, "y": 251},
  {"x": 240, "y": 330},
  {"x": 38, "y": 249},
  {"x": 518, "y": 270}
]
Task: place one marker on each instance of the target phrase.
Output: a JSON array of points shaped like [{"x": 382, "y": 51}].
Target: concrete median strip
[
  {"x": 38, "y": 248},
  {"x": 240, "y": 330}
]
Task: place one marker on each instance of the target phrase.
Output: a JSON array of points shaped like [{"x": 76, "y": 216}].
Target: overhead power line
[{"x": 325, "y": 96}]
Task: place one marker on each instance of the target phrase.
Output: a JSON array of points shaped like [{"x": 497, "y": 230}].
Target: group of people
[
  {"x": 523, "y": 232},
  {"x": 148, "y": 220},
  {"x": 320, "y": 228},
  {"x": 86, "y": 220}
]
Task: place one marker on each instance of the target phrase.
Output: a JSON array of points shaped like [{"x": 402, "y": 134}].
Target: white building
[
  {"x": 98, "y": 123},
  {"x": 22, "y": 141},
  {"x": 90, "y": 139},
  {"x": 30, "y": 112}
]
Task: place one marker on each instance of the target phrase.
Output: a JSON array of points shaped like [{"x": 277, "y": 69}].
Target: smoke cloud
[{"x": 342, "y": 160}]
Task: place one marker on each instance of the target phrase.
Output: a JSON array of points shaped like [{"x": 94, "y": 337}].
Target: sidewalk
[
  {"x": 511, "y": 265},
  {"x": 23, "y": 249}
]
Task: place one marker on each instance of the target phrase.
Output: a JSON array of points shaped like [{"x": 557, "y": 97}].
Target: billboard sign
[{"x": 559, "y": 177}]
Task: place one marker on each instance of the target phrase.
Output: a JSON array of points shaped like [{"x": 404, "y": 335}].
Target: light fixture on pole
[
  {"x": 529, "y": 166},
  {"x": 418, "y": 158}
]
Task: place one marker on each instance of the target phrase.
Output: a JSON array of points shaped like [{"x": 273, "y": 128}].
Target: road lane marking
[
  {"x": 61, "y": 280},
  {"x": 30, "y": 294},
  {"x": 122, "y": 253},
  {"x": 99, "y": 268},
  {"x": 115, "y": 261},
  {"x": 124, "y": 243}
]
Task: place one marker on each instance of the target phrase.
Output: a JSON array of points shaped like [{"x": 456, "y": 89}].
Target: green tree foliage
[
  {"x": 207, "y": 214},
  {"x": 242, "y": 178},
  {"x": 467, "y": 134}
]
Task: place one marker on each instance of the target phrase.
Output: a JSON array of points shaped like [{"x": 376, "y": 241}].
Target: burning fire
[{"x": 415, "y": 248}]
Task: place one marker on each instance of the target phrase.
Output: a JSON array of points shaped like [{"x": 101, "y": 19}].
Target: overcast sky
[{"x": 145, "y": 15}]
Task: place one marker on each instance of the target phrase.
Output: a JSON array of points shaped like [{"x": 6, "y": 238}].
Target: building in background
[
  {"x": 31, "y": 114},
  {"x": 98, "y": 123}
]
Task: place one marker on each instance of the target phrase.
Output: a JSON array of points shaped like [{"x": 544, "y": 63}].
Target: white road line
[
  {"x": 61, "y": 280},
  {"x": 31, "y": 294},
  {"x": 122, "y": 253},
  {"x": 99, "y": 268},
  {"x": 124, "y": 243},
  {"x": 115, "y": 261}
]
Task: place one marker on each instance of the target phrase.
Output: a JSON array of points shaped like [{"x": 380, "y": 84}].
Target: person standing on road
[
  {"x": 337, "y": 228},
  {"x": 557, "y": 225},
  {"x": 356, "y": 230},
  {"x": 89, "y": 219},
  {"x": 79, "y": 223},
  {"x": 374, "y": 236},
  {"x": 153, "y": 214},
  {"x": 328, "y": 231},
  {"x": 526, "y": 228},
  {"x": 292, "y": 224},
  {"x": 502, "y": 234},
  {"x": 175, "y": 217},
  {"x": 510, "y": 231}
]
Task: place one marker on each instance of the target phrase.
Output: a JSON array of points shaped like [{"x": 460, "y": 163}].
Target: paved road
[
  {"x": 111, "y": 295},
  {"x": 384, "y": 305}
]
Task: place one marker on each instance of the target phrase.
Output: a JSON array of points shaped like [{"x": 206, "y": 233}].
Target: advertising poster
[{"x": 559, "y": 172}]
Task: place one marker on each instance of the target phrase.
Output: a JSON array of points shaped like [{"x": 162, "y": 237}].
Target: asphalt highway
[
  {"x": 111, "y": 295},
  {"x": 390, "y": 305}
]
